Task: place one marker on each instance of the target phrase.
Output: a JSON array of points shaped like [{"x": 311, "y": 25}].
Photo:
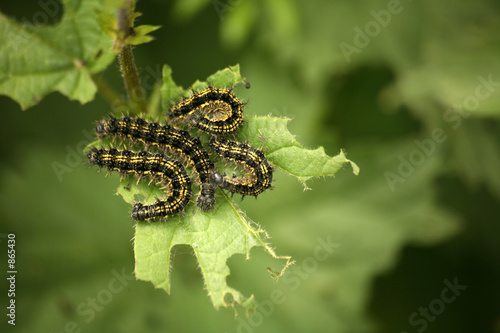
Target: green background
[{"x": 395, "y": 245}]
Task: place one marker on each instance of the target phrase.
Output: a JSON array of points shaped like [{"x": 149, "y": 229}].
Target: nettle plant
[{"x": 66, "y": 58}]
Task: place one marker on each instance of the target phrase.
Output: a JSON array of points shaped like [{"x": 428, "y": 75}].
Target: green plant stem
[{"x": 135, "y": 91}]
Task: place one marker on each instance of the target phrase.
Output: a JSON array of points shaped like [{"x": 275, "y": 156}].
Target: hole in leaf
[{"x": 228, "y": 299}]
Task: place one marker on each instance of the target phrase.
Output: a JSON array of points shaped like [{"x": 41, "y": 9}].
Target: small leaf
[
  {"x": 38, "y": 60},
  {"x": 141, "y": 34},
  {"x": 287, "y": 153},
  {"x": 171, "y": 93},
  {"x": 146, "y": 29}
]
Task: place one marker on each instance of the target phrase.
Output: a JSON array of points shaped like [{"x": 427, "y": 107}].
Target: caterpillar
[
  {"x": 166, "y": 137},
  {"x": 213, "y": 110},
  {"x": 158, "y": 168},
  {"x": 253, "y": 160}
]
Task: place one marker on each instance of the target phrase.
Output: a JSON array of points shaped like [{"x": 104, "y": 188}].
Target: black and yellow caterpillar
[
  {"x": 157, "y": 167},
  {"x": 215, "y": 111}
]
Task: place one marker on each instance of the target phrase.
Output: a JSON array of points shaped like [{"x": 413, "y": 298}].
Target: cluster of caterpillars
[{"x": 215, "y": 111}]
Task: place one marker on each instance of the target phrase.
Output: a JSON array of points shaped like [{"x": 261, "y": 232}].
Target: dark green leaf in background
[{"x": 37, "y": 60}]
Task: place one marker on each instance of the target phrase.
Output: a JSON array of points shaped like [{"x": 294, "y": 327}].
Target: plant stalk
[{"x": 135, "y": 91}]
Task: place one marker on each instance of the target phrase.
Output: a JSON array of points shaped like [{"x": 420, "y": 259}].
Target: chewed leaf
[
  {"x": 287, "y": 153},
  {"x": 38, "y": 60},
  {"x": 217, "y": 235},
  {"x": 214, "y": 236}
]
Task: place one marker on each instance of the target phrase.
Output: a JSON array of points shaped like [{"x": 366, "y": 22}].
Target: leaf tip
[{"x": 354, "y": 166}]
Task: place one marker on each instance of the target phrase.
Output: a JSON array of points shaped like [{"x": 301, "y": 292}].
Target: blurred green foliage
[{"x": 416, "y": 105}]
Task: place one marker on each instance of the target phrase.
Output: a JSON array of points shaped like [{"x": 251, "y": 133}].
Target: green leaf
[
  {"x": 227, "y": 77},
  {"x": 38, "y": 60},
  {"x": 141, "y": 34},
  {"x": 214, "y": 237},
  {"x": 288, "y": 154},
  {"x": 217, "y": 235},
  {"x": 171, "y": 93}
]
